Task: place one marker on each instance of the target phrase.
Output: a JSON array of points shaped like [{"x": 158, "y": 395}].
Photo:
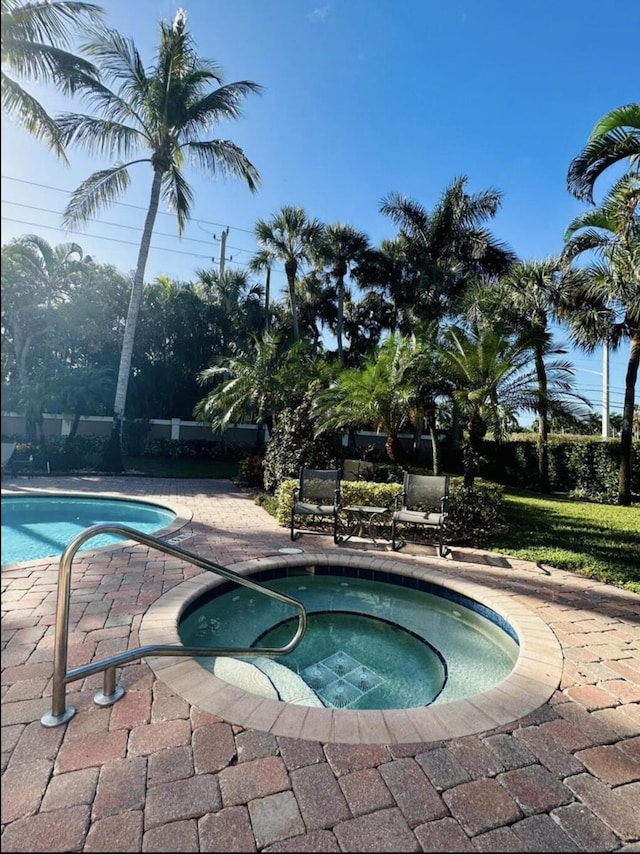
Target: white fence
[{"x": 13, "y": 427}]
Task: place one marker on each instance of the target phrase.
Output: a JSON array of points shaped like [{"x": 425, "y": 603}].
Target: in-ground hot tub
[{"x": 240, "y": 692}]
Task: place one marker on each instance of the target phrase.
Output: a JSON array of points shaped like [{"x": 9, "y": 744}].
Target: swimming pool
[
  {"x": 370, "y": 643},
  {"x": 37, "y": 527}
]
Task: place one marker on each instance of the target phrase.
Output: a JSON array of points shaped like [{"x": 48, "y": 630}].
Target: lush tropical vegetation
[{"x": 441, "y": 329}]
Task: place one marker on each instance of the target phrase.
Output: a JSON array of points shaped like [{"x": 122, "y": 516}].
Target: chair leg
[
  {"x": 293, "y": 534},
  {"x": 443, "y": 550}
]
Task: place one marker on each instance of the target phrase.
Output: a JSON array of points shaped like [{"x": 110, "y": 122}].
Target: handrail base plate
[{"x": 51, "y": 720}]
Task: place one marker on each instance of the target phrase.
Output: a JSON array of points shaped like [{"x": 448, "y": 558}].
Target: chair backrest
[
  {"x": 356, "y": 469},
  {"x": 425, "y": 492},
  {"x": 319, "y": 485},
  {"x": 7, "y": 452}
]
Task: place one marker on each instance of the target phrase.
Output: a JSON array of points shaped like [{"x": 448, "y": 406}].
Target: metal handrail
[{"x": 60, "y": 712}]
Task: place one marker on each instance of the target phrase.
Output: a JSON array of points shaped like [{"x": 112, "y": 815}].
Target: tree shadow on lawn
[{"x": 542, "y": 527}]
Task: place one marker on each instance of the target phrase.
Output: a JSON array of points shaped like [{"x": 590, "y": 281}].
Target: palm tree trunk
[
  {"x": 543, "y": 424},
  {"x": 293, "y": 302},
  {"x": 435, "y": 444},
  {"x": 626, "y": 433},
  {"x": 394, "y": 449},
  {"x": 135, "y": 300},
  {"x": 340, "y": 324}
]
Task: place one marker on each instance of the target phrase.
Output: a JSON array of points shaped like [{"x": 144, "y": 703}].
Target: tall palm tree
[
  {"x": 34, "y": 41},
  {"x": 451, "y": 245},
  {"x": 529, "y": 297},
  {"x": 342, "y": 247},
  {"x": 604, "y": 307},
  {"x": 616, "y": 137},
  {"x": 162, "y": 111},
  {"x": 290, "y": 238}
]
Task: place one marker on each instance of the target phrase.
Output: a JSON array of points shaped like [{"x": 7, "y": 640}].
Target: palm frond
[
  {"x": 30, "y": 115},
  {"x": 99, "y": 190},
  {"x": 98, "y": 136},
  {"x": 224, "y": 156}
]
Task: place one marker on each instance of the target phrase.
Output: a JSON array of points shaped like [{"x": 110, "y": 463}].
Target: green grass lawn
[{"x": 600, "y": 541}]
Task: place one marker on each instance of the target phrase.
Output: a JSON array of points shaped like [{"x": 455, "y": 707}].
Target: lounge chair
[
  {"x": 424, "y": 501},
  {"x": 317, "y": 494}
]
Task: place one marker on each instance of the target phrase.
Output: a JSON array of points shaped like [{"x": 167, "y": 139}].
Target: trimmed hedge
[{"x": 582, "y": 466}]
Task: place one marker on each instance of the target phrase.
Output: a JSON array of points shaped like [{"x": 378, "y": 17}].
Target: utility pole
[
  {"x": 266, "y": 298},
  {"x": 606, "y": 429},
  {"x": 223, "y": 241}
]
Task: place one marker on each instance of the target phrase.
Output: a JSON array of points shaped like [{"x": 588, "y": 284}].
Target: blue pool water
[
  {"x": 38, "y": 527},
  {"x": 369, "y": 644}
]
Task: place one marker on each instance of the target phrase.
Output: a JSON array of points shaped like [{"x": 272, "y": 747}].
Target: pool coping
[
  {"x": 533, "y": 680},
  {"x": 183, "y": 516}
]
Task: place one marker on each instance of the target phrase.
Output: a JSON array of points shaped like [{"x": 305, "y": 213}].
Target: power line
[
  {"x": 128, "y": 227},
  {"x": 81, "y": 234},
  {"x": 123, "y": 204}
]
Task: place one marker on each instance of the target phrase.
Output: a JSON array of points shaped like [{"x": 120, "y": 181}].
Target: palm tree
[
  {"x": 162, "y": 111},
  {"x": 237, "y": 303},
  {"x": 34, "y": 41},
  {"x": 604, "y": 307},
  {"x": 493, "y": 379},
  {"x": 614, "y": 138},
  {"x": 451, "y": 246},
  {"x": 290, "y": 238},
  {"x": 377, "y": 394},
  {"x": 35, "y": 277},
  {"x": 342, "y": 247},
  {"x": 84, "y": 391},
  {"x": 247, "y": 388},
  {"x": 529, "y": 298}
]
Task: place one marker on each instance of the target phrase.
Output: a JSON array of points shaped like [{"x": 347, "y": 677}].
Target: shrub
[
  {"x": 293, "y": 445},
  {"x": 82, "y": 453},
  {"x": 251, "y": 472},
  {"x": 577, "y": 465},
  {"x": 475, "y": 512}
]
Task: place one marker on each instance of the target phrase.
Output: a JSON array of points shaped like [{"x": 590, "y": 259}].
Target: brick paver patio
[{"x": 155, "y": 773}]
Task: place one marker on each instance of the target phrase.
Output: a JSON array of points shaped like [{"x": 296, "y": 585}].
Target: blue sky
[{"x": 361, "y": 98}]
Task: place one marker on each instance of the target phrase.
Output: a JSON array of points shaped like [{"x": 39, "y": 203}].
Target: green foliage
[
  {"x": 111, "y": 460},
  {"x": 581, "y": 466},
  {"x": 197, "y": 449},
  {"x": 475, "y": 512},
  {"x": 292, "y": 445},
  {"x": 134, "y": 434},
  {"x": 251, "y": 471}
]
